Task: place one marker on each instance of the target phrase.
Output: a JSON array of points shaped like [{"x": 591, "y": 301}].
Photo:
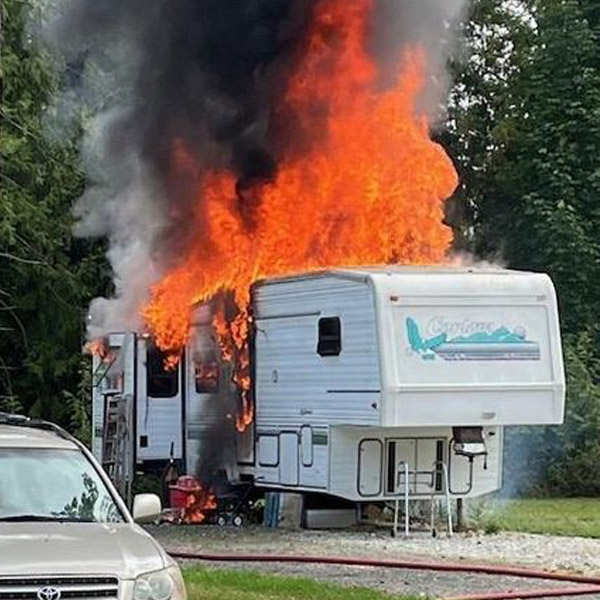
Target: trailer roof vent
[{"x": 330, "y": 336}]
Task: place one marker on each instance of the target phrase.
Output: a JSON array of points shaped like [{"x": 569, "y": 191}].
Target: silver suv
[{"x": 65, "y": 532}]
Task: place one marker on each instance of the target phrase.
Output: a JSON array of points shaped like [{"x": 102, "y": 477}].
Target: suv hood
[{"x": 121, "y": 549}]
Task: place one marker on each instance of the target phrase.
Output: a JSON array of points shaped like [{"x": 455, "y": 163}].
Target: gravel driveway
[{"x": 539, "y": 551}]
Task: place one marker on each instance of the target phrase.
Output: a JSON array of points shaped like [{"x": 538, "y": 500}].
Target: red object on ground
[
  {"x": 182, "y": 491},
  {"x": 588, "y": 585}
]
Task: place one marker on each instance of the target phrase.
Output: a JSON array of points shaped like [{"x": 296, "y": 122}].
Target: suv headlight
[{"x": 166, "y": 584}]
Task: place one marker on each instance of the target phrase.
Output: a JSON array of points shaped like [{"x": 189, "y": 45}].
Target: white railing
[{"x": 404, "y": 471}]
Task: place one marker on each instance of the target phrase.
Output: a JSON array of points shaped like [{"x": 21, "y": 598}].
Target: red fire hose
[
  {"x": 541, "y": 593},
  {"x": 587, "y": 585}
]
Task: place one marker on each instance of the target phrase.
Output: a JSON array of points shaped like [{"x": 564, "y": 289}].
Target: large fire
[{"x": 365, "y": 185}]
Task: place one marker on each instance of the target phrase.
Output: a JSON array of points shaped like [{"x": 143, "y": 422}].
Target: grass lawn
[
  {"x": 217, "y": 584},
  {"x": 557, "y": 516}
]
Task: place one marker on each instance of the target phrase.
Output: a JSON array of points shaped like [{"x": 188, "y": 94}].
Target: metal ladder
[
  {"x": 403, "y": 470},
  {"x": 116, "y": 443}
]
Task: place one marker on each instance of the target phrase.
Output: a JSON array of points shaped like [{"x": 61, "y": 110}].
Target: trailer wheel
[
  {"x": 237, "y": 521},
  {"x": 221, "y": 520}
]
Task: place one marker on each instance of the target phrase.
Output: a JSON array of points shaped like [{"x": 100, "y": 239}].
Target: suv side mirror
[{"x": 146, "y": 508}]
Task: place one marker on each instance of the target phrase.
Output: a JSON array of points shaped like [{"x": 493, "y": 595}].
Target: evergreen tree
[{"x": 47, "y": 276}]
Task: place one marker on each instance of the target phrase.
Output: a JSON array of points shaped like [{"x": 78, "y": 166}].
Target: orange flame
[
  {"x": 366, "y": 186},
  {"x": 198, "y": 504},
  {"x": 233, "y": 341},
  {"x": 99, "y": 347}
]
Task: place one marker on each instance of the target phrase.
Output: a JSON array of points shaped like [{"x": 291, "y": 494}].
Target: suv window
[{"x": 53, "y": 484}]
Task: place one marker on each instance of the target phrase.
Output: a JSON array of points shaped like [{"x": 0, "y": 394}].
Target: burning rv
[{"x": 366, "y": 382}]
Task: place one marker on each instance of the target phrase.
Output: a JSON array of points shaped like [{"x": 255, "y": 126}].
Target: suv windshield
[{"x": 52, "y": 484}]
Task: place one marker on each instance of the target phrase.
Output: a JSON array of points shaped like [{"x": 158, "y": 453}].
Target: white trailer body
[
  {"x": 172, "y": 409},
  {"x": 360, "y": 376},
  {"x": 113, "y": 373},
  {"x": 361, "y": 373}
]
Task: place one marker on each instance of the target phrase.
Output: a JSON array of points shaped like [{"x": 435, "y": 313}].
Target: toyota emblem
[{"x": 48, "y": 593}]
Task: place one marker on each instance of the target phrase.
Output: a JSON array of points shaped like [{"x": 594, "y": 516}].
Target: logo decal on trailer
[{"x": 476, "y": 341}]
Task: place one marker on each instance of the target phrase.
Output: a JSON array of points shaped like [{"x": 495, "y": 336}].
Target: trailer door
[
  {"x": 159, "y": 406},
  {"x": 288, "y": 458},
  {"x": 370, "y": 455}
]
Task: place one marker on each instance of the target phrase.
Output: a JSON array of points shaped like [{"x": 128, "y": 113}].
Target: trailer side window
[
  {"x": 330, "y": 336},
  {"x": 161, "y": 382},
  {"x": 206, "y": 374}
]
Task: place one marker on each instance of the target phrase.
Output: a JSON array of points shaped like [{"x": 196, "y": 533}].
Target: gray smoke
[
  {"x": 431, "y": 24},
  {"x": 148, "y": 75}
]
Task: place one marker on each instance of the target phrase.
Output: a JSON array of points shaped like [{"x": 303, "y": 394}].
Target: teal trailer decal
[{"x": 499, "y": 344}]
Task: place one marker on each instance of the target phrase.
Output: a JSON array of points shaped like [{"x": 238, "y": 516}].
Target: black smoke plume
[{"x": 150, "y": 76}]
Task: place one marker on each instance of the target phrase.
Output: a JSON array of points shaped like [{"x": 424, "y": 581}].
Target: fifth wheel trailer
[{"x": 366, "y": 382}]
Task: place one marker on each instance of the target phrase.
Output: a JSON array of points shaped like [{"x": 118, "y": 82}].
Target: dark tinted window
[
  {"x": 330, "y": 336},
  {"x": 206, "y": 374},
  {"x": 161, "y": 382}
]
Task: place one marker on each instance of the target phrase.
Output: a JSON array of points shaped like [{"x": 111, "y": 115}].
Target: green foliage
[
  {"x": 47, "y": 276},
  {"x": 575, "y": 465},
  {"x": 542, "y": 211},
  {"x": 148, "y": 484},
  {"x": 494, "y": 39},
  {"x": 562, "y": 460},
  {"x": 492, "y": 527},
  {"x": 78, "y": 404}
]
